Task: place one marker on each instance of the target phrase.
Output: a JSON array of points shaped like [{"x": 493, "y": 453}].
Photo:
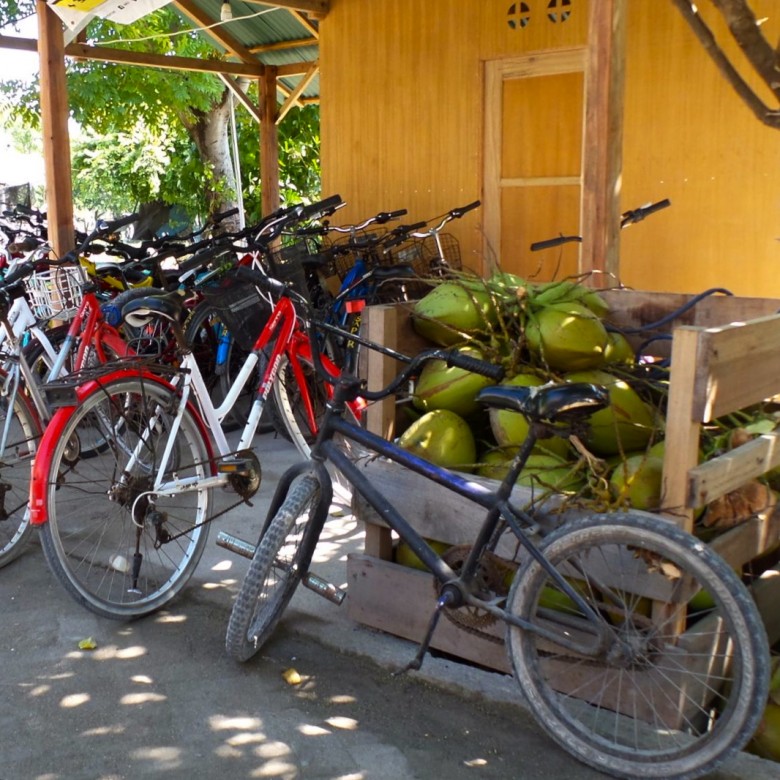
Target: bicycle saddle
[
  {"x": 551, "y": 402},
  {"x": 142, "y": 311}
]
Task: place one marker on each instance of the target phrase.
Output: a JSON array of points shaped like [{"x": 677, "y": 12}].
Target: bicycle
[
  {"x": 123, "y": 528},
  {"x": 28, "y": 297},
  {"x": 637, "y": 648}
]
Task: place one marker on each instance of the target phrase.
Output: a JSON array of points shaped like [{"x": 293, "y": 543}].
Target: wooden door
[{"x": 533, "y": 161}]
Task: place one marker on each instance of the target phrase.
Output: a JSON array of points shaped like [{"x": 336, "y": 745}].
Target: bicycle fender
[{"x": 56, "y": 426}]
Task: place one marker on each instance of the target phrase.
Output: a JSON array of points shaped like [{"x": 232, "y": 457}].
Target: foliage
[{"x": 136, "y": 121}]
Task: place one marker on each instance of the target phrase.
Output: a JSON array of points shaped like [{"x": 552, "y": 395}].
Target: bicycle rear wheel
[
  {"x": 20, "y": 435},
  {"x": 681, "y": 681},
  {"x": 281, "y": 559},
  {"x": 118, "y": 548}
]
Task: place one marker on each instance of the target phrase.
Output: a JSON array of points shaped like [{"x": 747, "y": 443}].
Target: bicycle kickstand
[{"x": 445, "y": 600}]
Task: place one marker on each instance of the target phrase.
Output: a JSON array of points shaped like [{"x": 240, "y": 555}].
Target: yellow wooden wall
[{"x": 403, "y": 119}]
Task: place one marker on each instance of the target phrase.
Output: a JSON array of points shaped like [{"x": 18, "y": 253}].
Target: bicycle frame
[{"x": 495, "y": 502}]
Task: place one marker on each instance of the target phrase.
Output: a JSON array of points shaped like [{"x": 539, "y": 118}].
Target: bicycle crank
[{"x": 309, "y": 580}]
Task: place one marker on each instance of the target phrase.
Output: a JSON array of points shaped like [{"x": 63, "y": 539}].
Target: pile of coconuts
[{"x": 540, "y": 332}]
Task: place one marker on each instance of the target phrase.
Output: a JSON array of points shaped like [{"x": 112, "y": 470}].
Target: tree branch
[{"x": 763, "y": 113}]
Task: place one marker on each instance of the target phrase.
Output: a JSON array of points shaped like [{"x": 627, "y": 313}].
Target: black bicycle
[{"x": 638, "y": 649}]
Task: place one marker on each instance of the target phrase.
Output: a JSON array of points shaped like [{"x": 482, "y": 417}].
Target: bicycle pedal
[{"x": 238, "y": 466}]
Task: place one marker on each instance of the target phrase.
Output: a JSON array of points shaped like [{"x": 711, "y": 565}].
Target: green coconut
[
  {"x": 766, "y": 740},
  {"x": 404, "y": 555},
  {"x": 494, "y": 464},
  {"x": 618, "y": 349},
  {"x": 452, "y": 311},
  {"x": 447, "y": 387},
  {"x": 638, "y": 481},
  {"x": 567, "y": 291},
  {"x": 551, "y": 473},
  {"x": 511, "y": 428},
  {"x": 567, "y": 336},
  {"x": 626, "y": 425},
  {"x": 442, "y": 437}
]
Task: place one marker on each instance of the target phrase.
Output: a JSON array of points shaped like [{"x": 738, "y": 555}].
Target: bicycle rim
[
  {"x": 20, "y": 434},
  {"x": 104, "y": 520},
  {"x": 680, "y": 685},
  {"x": 281, "y": 558}
]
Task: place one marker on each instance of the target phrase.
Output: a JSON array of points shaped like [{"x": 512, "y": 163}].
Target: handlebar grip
[
  {"x": 17, "y": 274},
  {"x": 638, "y": 214},
  {"x": 474, "y": 365},
  {"x": 252, "y": 275},
  {"x": 457, "y": 213},
  {"x": 323, "y": 208},
  {"x": 200, "y": 259},
  {"x": 387, "y": 216},
  {"x": 111, "y": 227},
  {"x": 551, "y": 242},
  {"x": 217, "y": 218}
]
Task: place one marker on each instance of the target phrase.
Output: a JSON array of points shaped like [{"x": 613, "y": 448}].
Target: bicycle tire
[
  {"x": 23, "y": 438},
  {"x": 273, "y": 577},
  {"x": 712, "y": 679},
  {"x": 287, "y": 411},
  {"x": 91, "y": 537}
]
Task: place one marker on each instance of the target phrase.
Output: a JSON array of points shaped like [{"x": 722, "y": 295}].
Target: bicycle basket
[
  {"x": 286, "y": 265},
  {"x": 240, "y": 307},
  {"x": 343, "y": 257},
  {"x": 55, "y": 292},
  {"x": 450, "y": 255}
]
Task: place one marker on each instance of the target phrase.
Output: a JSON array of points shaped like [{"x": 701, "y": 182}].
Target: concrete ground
[{"x": 159, "y": 697}]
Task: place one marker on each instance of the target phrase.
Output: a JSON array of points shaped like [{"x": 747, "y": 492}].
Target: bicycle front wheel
[
  {"x": 119, "y": 548},
  {"x": 281, "y": 559},
  {"x": 20, "y": 435},
  {"x": 681, "y": 679}
]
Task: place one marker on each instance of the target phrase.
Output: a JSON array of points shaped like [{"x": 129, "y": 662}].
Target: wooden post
[
  {"x": 269, "y": 141},
  {"x": 603, "y": 139},
  {"x": 54, "y": 120}
]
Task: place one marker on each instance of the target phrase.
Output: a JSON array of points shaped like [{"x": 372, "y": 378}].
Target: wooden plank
[
  {"x": 400, "y": 601},
  {"x": 681, "y": 452},
  {"x": 317, "y": 9},
  {"x": 603, "y": 139},
  {"x": 729, "y": 471},
  {"x": 292, "y": 97},
  {"x": 219, "y": 34},
  {"x": 747, "y": 541},
  {"x": 56, "y": 138},
  {"x": 727, "y": 356}
]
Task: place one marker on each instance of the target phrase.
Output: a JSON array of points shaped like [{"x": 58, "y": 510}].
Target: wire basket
[
  {"x": 286, "y": 265},
  {"x": 343, "y": 255},
  {"x": 56, "y": 292},
  {"x": 240, "y": 307},
  {"x": 449, "y": 258}
]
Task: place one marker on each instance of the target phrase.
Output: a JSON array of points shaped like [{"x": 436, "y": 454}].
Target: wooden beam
[
  {"x": 284, "y": 45},
  {"x": 313, "y": 29},
  {"x": 292, "y": 98},
  {"x": 18, "y": 44},
  {"x": 316, "y": 9},
  {"x": 219, "y": 34},
  {"x": 54, "y": 121},
  {"x": 80, "y": 51},
  {"x": 603, "y": 139},
  {"x": 269, "y": 142},
  {"x": 242, "y": 97}
]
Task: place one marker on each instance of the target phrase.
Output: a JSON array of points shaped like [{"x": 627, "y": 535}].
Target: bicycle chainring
[
  {"x": 246, "y": 481},
  {"x": 493, "y": 579}
]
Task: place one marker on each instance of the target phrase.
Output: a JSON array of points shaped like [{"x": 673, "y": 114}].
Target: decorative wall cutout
[{"x": 519, "y": 14}]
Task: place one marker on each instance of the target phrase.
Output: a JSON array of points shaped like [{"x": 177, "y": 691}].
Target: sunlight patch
[
  {"x": 341, "y": 722},
  {"x": 141, "y": 698},
  {"x": 142, "y": 678},
  {"x": 225, "y": 565},
  {"x": 171, "y": 619},
  {"x": 75, "y": 700},
  {"x": 276, "y": 768},
  {"x": 342, "y": 698},
  {"x": 246, "y": 738},
  {"x": 222, "y": 723},
  {"x": 310, "y": 730}
]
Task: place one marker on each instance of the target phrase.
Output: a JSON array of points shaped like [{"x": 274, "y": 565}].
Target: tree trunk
[{"x": 209, "y": 131}]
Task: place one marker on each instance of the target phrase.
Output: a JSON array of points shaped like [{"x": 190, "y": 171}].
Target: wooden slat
[
  {"x": 269, "y": 142},
  {"x": 400, "y": 601},
  {"x": 729, "y": 471},
  {"x": 242, "y": 97},
  {"x": 317, "y": 9},
  {"x": 730, "y": 354},
  {"x": 284, "y": 45},
  {"x": 744, "y": 542},
  {"x": 292, "y": 97},
  {"x": 218, "y": 34}
]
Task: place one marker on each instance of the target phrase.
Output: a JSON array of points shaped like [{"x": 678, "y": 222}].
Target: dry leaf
[
  {"x": 292, "y": 677},
  {"x": 87, "y": 644}
]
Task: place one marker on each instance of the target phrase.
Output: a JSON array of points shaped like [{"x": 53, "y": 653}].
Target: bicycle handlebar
[
  {"x": 626, "y": 219},
  {"x": 455, "y": 213}
]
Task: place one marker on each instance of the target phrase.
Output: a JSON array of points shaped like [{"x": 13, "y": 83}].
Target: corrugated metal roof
[{"x": 264, "y": 29}]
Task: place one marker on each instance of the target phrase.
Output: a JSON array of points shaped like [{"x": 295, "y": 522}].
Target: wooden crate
[{"x": 725, "y": 355}]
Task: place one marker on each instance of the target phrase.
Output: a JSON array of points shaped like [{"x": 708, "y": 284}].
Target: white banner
[{"x": 74, "y": 13}]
